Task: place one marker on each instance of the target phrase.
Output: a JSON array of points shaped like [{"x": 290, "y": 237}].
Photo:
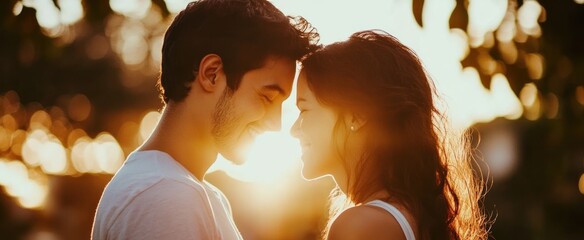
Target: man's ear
[
  {"x": 354, "y": 121},
  {"x": 210, "y": 74}
]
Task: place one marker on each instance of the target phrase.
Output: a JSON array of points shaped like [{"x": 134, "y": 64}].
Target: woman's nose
[{"x": 295, "y": 130}]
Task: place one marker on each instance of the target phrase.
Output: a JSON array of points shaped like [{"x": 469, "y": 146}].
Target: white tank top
[{"x": 401, "y": 219}]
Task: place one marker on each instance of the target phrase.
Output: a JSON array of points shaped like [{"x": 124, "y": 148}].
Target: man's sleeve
[{"x": 167, "y": 210}]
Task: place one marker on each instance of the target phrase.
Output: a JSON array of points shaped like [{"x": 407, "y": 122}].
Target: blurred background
[{"x": 77, "y": 96}]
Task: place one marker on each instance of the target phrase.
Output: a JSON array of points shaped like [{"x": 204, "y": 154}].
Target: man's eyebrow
[{"x": 275, "y": 87}]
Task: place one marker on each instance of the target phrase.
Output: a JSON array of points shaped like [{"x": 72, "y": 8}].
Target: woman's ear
[
  {"x": 210, "y": 73},
  {"x": 354, "y": 121}
]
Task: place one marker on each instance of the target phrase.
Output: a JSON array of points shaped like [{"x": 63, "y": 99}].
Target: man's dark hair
[{"x": 242, "y": 32}]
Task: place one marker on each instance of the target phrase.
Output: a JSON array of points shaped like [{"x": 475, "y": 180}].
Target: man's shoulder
[
  {"x": 154, "y": 187},
  {"x": 175, "y": 189},
  {"x": 153, "y": 198},
  {"x": 149, "y": 193},
  {"x": 158, "y": 209},
  {"x": 144, "y": 182},
  {"x": 145, "y": 171}
]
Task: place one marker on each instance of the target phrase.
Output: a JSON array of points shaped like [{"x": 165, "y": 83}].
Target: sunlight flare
[{"x": 271, "y": 158}]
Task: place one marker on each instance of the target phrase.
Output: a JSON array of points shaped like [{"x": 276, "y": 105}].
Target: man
[{"x": 227, "y": 66}]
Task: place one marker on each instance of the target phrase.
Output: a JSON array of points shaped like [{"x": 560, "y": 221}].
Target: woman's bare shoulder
[{"x": 365, "y": 222}]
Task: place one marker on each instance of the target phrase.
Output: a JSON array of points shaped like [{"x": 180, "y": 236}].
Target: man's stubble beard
[{"x": 224, "y": 124}]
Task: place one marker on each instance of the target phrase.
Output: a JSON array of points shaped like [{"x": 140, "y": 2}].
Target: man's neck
[{"x": 185, "y": 137}]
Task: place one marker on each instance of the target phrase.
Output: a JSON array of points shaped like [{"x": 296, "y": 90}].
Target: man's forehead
[{"x": 277, "y": 74}]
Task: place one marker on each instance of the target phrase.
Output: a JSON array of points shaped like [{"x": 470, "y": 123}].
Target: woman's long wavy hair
[{"x": 407, "y": 151}]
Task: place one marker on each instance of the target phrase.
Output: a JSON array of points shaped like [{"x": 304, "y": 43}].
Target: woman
[{"x": 368, "y": 119}]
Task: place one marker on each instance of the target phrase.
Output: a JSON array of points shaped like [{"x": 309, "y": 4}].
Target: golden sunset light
[{"x": 78, "y": 94}]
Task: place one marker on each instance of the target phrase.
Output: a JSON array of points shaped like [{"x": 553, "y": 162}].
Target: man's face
[{"x": 255, "y": 107}]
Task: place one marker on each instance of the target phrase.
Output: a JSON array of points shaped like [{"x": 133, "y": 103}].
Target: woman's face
[{"x": 314, "y": 128}]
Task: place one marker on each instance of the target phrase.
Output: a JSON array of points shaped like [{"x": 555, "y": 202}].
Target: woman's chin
[{"x": 309, "y": 174}]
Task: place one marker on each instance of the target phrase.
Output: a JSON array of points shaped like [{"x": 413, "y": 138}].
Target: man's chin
[
  {"x": 236, "y": 153},
  {"x": 236, "y": 157}
]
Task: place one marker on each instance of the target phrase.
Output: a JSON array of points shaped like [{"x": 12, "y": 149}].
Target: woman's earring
[{"x": 352, "y": 128}]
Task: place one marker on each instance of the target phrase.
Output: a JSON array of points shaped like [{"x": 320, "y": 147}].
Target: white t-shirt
[{"x": 154, "y": 197}]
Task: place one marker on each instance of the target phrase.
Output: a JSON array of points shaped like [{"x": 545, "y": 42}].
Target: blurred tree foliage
[
  {"x": 43, "y": 69},
  {"x": 540, "y": 201}
]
